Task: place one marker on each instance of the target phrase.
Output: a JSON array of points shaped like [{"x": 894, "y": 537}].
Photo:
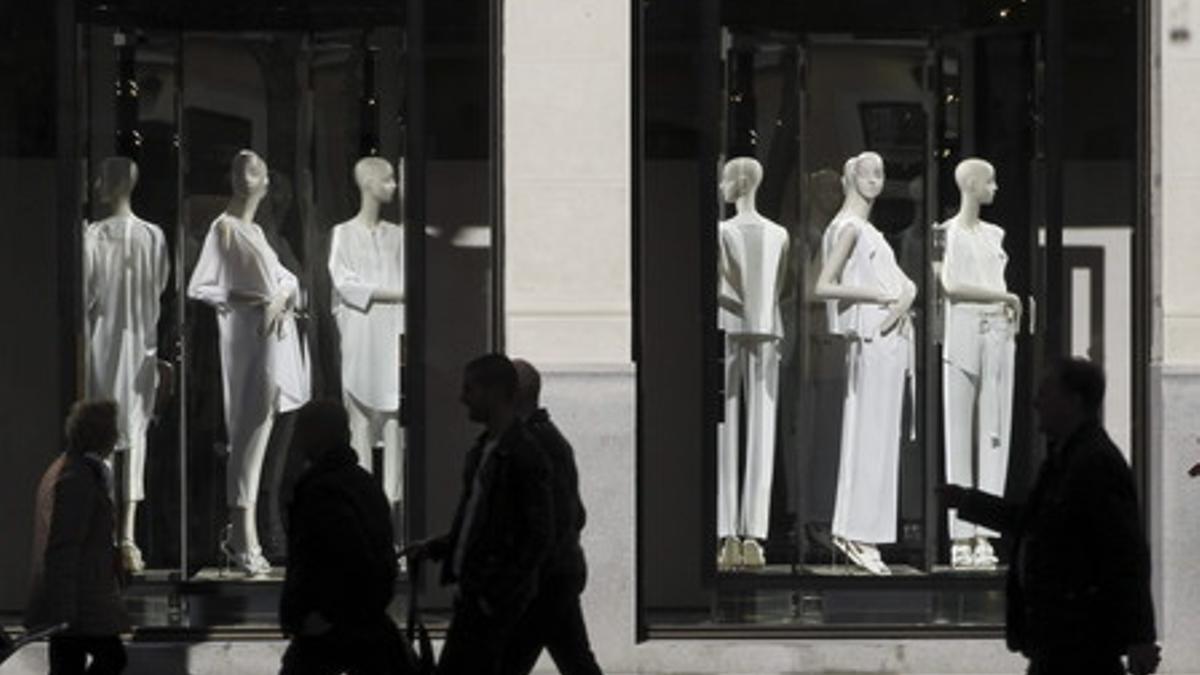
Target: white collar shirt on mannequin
[
  {"x": 238, "y": 271},
  {"x": 363, "y": 259},
  {"x": 126, "y": 270}
]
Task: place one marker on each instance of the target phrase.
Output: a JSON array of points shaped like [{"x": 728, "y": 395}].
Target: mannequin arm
[
  {"x": 829, "y": 288},
  {"x": 351, "y": 288}
]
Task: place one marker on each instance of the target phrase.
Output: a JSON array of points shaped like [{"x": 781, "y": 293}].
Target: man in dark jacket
[
  {"x": 1079, "y": 584},
  {"x": 342, "y": 567},
  {"x": 75, "y": 578},
  {"x": 554, "y": 620},
  {"x": 503, "y": 528}
]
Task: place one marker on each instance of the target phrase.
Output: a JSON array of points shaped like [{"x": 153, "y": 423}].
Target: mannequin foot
[
  {"x": 864, "y": 555},
  {"x": 962, "y": 557},
  {"x": 729, "y": 556},
  {"x": 248, "y": 561},
  {"x": 984, "y": 557},
  {"x": 131, "y": 557},
  {"x": 752, "y": 554}
]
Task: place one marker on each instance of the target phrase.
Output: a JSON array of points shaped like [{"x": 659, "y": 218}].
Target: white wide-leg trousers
[
  {"x": 978, "y": 412},
  {"x": 865, "y": 509},
  {"x": 752, "y": 375},
  {"x": 369, "y": 426}
]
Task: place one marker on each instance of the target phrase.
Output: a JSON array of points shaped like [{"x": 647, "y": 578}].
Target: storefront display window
[
  {"x": 274, "y": 201},
  {"x": 868, "y": 204}
]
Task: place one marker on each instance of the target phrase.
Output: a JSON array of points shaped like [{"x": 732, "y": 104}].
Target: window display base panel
[{"x": 836, "y": 612}]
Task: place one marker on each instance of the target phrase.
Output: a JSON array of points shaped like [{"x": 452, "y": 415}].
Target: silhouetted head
[
  {"x": 1069, "y": 396},
  {"x": 321, "y": 426},
  {"x": 741, "y": 176},
  {"x": 376, "y": 177},
  {"x": 248, "y": 174},
  {"x": 977, "y": 178},
  {"x": 489, "y": 388},
  {"x": 529, "y": 388},
  {"x": 91, "y": 427},
  {"x": 863, "y": 174},
  {"x": 115, "y": 177}
]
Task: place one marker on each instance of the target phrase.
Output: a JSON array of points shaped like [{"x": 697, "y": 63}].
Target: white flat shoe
[
  {"x": 729, "y": 556},
  {"x": 131, "y": 558},
  {"x": 752, "y": 554},
  {"x": 984, "y": 556},
  {"x": 961, "y": 556}
]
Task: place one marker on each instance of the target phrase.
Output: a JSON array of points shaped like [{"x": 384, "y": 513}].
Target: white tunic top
[
  {"x": 872, "y": 264},
  {"x": 363, "y": 259},
  {"x": 974, "y": 256},
  {"x": 260, "y": 371},
  {"x": 752, "y": 266},
  {"x": 125, "y": 271}
]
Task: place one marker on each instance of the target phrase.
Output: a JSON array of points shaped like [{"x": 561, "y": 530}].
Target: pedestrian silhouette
[
  {"x": 1079, "y": 586},
  {"x": 342, "y": 567},
  {"x": 554, "y": 620},
  {"x": 503, "y": 528},
  {"x": 76, "y": 576}
]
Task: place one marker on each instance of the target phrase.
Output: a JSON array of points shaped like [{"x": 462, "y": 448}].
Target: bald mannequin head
[
  {"x": 976, "y": 179},
  {"x": 117, "y": 176},
  {"x": 248, "y": 174},
  {"x": 529, "y": 388},
  {"x": 375, "y": 177},
  {"x": 863, "y": 174},
  {"x": 740, "y": 177}
]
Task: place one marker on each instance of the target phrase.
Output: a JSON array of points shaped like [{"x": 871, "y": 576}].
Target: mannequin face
[
  {"x": 868, "y": 177},
  {"x": 383, "y": 186},
  {"x": 253, "y": 179},
  {"x": 983, "y": 187}
]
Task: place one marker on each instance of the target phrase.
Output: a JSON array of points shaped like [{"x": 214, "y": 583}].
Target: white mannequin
[
  {"x": 868, "y": 298},
  {"x": 366, "y": 264},
  {"x": 977, "y": 364},
  {"x": 263, "y": 368},
  {"x": 753, "y": 263},
  {"x": 126, "y": 270}
]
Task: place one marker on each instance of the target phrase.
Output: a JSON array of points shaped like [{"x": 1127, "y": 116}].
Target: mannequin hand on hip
[
  {"x": 898, "y": 309},
  {"x": 1012, "y": 303},
  {"x": 273, "y": 316}
]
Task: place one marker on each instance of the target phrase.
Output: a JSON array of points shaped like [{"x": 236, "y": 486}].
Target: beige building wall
[{"x": 566, "y": 172}]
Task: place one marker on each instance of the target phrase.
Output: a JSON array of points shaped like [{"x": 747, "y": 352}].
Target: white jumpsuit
[
  {"x": 262, "y": 372},
  {"x": 752, "y": 266},
  {"x": 977, "y": 368},
  {"x": 363, "y": 259},
  {"x": 126, "y": 269},
  {"x": 865, "y": 508}
]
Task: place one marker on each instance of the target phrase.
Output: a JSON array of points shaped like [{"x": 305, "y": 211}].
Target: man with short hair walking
[{"x": 1079, "y": 581}]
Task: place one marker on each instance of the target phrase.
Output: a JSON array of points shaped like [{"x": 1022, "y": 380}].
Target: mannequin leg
[
  {"x": 241, "y": 482},
  {"x": 393, "y": 456},
  {"x": 762, "y": 388},
  {"x": 727, "y": 462},
  {"x": 960, "y": 391},
  {"x": 995, "y": 412},
  {"x": 133, "y": 485},
  {"x": 360, "y": 430}
]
